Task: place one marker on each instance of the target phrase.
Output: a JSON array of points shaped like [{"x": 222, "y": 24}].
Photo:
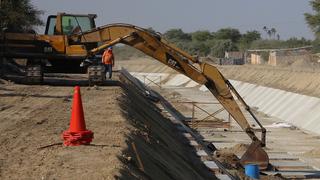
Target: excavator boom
[{"x": 157, "y": 47}]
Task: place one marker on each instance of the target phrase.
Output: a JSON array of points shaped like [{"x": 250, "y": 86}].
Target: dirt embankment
[
  {"x": 300, "y": 77},
  {"x": 35, "y": 116},
  {"x": 304, "y": 81},
  {"x": 148, "y": 65}
]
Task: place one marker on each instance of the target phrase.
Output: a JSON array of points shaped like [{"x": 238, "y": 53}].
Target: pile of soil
[
  {"x": 149, "y": 65},
  {"x": 305, "y": 64},
  {"x": 312, "y": 153},
  {"x": 300, "y": 77},
  {"x": 299, "y": 80},
  {"x": 229, "y": 159},
  {"x": 236, "y": 149},
  {"x": 228, "y": 155}
]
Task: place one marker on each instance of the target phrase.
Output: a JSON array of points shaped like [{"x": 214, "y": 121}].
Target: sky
[{"x": 286, "y": 16}]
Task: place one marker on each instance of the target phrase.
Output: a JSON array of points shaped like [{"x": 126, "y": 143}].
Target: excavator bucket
[{"x": 255, "y": 155}]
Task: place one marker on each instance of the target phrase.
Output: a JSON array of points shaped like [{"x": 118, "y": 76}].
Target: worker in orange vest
[{"x": 108, "y": 61}]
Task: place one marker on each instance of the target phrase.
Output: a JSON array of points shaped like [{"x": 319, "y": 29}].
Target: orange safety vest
[{"x": 107, "y": 57}]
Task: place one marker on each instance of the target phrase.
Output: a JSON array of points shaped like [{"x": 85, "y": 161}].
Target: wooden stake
[{"x": 138, "y": 157}]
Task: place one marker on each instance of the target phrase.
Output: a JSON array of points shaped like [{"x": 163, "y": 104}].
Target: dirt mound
[
  {"x": 228, "y": 155},
  {"x": 228, "y": 158},
  {"x": 312, "y": 153},
  {"x": 304, "y": 81},
  {"x": 236, "y": 149},
  {"x": 144, "y": 65},
  {"x": 305, "y": 64}
]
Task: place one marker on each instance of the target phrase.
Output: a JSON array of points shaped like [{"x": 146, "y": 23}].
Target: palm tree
[
  {"x": 273, "y": 32},
  {"x": 265, "y": 29},
  {"x": 269, "y": 32}
]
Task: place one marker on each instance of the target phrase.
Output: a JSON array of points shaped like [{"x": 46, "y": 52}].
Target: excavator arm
[{"x": 157, "y": 47}]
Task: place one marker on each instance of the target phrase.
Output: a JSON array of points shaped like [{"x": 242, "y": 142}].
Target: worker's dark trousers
[{"x": 108, "y": 69}]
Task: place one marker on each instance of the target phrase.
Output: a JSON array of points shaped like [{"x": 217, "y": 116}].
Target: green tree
[
  {"x": 201, "y": 36},
  {"x": 177, "y": 35},
  {"x": 228, "y": 33},
  {"x": 18, "y": 15},
  {"x": 295, "y": 42},
  {"x": 276, "y": 44},
  {"x": 267, "y": 44},
  {"x": 313, "y": 20},
  {"x": 219, "y": 47},
  {"x": 250, "y": 36},
  {"x": 200, "y": 48},
  {"x": 247, "y": 39}
]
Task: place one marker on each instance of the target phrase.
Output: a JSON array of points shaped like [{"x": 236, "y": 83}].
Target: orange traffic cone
[{"x": 77, "y": 134}]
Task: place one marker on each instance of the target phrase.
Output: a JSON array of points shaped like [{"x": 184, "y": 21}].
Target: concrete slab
[
  {"x": 296, "y": 174},
  {"x": 193, "y": 143},
  {"x": 223, "y": 177},
  {"x": 211, "y": 164},
  {"x": 187, "y": 135},
  {"x": 290, "y": 165},
  {"x": 287, "y": 106},
  {"x": 280, "y": 156},
  {"x": 202, "y": 153}
]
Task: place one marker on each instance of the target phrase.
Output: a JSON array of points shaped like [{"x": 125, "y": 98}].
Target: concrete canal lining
[{"x": 296, "y": 109}]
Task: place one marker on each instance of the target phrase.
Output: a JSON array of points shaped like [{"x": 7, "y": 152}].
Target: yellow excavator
[{"x": 73, "y": 43}]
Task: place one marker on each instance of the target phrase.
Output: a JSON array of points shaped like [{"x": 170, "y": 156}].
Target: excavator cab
[
  {"x": 67, "y": 24},
  {"x": 70, "y": 24},
  {"x": 63, "y": 25}
]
